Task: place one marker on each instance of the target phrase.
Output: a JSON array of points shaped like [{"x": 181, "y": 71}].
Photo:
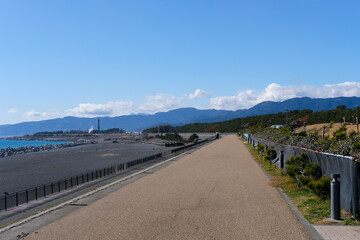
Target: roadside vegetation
[
  {"x": 303, "y": 184},
  {"x": 175, "y": 137},
  {"x": 341, "y": 142}
]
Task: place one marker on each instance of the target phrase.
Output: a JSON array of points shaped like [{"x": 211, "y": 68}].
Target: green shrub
[
  {"x": 352, "y": 134},
  {"x": 340, "y": 134},
  {"x": 302, "y": 134},
  {"x": 260, "y": 148},
  {"x": 193, "y": 138},
  {"x": 357, "y": 146},
  {"x": 303, "y": 171},
  {"x": 270, "y": 154},
  {"x": 293, "y": 171},
  {"x": 301, "y": 160},
  {"x": 313, "y": 170},
  {"x": 321, "y": 187},
  {"x": 304, "y": 180}
]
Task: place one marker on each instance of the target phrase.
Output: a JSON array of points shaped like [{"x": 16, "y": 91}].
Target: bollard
[
  {"x": 335, "y": 197},
  {"x": 282, "y": 159}
]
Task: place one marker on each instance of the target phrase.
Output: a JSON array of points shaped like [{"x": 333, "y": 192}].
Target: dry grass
[{"x": 317, "y": 128}]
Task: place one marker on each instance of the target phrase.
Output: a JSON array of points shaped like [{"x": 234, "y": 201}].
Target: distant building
[{"x": 277, "y": 126}]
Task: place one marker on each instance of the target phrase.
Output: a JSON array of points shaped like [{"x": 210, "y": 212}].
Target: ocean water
[{"x": 22, "y": 143}]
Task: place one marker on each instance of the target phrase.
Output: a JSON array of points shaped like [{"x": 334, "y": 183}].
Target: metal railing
[{"x": 11, "y": 200}]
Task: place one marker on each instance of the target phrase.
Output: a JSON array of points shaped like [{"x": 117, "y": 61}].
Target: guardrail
[{"x": 11, "y": 200}]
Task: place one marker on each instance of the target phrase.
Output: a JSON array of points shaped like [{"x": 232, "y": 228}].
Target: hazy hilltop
[{"x": 177, "y": 117}]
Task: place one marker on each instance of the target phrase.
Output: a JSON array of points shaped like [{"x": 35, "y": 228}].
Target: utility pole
[{"x": 286, "y": 110}]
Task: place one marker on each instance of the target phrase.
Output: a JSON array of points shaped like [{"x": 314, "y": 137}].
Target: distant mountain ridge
[{"x": 177, "y": 117}]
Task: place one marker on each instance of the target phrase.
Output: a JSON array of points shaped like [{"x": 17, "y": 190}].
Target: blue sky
[{"x": 97, "y": 58}]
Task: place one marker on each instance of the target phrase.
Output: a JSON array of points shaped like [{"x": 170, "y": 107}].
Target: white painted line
[{"x": 85, "y": 195}]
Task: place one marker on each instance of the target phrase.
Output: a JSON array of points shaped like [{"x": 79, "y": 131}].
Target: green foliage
[
  {"x": 357, "y": 146},
  {"x": 341, "y": 108},
  {"x": 260, "y": 148},
  {"x": 331, "y": 124},
  {"x": 193, "y": 138},
  {"x": 304, "y": 180},
  {"x": 47, "y": 134},
  {"x": 313, "y": 170},
  {"x": 256, "y": 123},
  {"x": 351, "y": 222},
  {"x": 307, "y": 174},
  {"x": 302, "y": 161},
  {"x": 321, "y": 187},
  {"x": 352, "y": 134},
  {"x": 113, "y": 130},
  {"x": 172, "y": 137},
  {"x": 340, "y": 134},
  {"x": 293, "y": 171},
  {"x": 270, "y": 154},
  {"x": 302, "y": 134}
]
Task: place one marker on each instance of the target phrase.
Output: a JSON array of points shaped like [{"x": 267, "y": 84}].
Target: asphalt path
[
  {"x": 29, "y": 170},
  {"x": 216, "y": 192}
]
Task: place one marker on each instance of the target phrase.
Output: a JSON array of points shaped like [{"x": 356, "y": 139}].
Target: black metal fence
[
  {"x": 12, "y": 200},
  {"x": 18, "y": 198}
]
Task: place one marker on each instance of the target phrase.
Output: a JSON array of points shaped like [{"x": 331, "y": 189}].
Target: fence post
[
  {"x": 59, "y": 186},
  {"x": 5, "y": 202},
  {"x": 52, "y": 188},
  {"x": 17, "y": 198},
  {"x": 36, "y": 195},
  {"x": 65, "y": 184},
  {"x": 335, "y": 197},
  {"x": 27, "y": 196},
  {"x": 44, "y": 191}
]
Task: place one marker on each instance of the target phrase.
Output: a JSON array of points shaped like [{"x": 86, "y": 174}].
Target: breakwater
[{"x": 9, "y": 151}]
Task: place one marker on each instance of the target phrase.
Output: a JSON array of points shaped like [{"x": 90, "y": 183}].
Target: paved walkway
[
  {"x": 331, "y": 232},
  {"x": 217, "y": 192}
]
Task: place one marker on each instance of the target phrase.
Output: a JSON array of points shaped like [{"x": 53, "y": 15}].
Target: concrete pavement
[{"x": 331, "y": 232}]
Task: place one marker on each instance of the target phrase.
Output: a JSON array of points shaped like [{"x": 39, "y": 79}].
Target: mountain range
[{"x": 177, "y": 117}]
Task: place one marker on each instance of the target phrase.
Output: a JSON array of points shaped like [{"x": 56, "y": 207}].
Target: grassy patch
[{"x": 313, "y": 208}]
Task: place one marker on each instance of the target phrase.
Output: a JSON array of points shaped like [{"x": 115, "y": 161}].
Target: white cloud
[
  {"x": 40, "y": 115},
  {"x": 160, "y": 103},
  {"x": 107, "y": 109},
  {"x": 198, "y": 94},
  {"x": 276, "y": 92},
  {"x": 166, "y": 102},
  {"x": 32, "y": 114},
  {"x": 12, "y": 111},
  {"x": 156, "y": 103}
]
